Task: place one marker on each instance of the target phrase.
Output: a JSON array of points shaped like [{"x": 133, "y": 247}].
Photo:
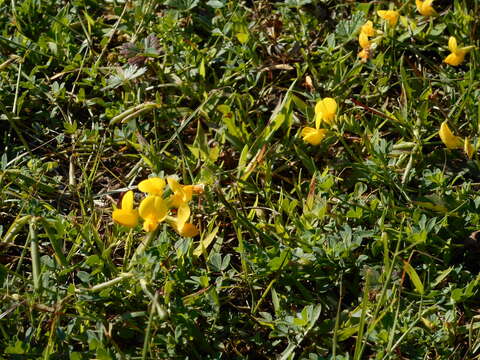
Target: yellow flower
[
  {"x": 153, "y": 209},
  {"x": 457, "y": 54},
  {"x": 126, "y": 216},
  {"x": 451, "y": 141},
  {"x": 187, "y": 230},
  {"x": 468, "y": 148},
  {"x": 181, "y": 194},
  {"x": 152, "y": 186},
  {"x": 325, "y": 110},
  {"x": 313, "y": 136},
  {"x": 363, "y": 41},
  {"x": 367, "y": 29},
  {"x": 180, "y": 224},
  {"x": 390, "y": 15},
  {"x": 425, "y": 7},
  {"x": 365, "y": 54}
]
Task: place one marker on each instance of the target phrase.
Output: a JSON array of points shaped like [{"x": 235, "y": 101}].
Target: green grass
[{"x": 364, "y": 247}]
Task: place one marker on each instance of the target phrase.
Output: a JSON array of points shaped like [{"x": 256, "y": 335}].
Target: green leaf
[
  {"x": 182, "y": 5},
  {"x": 414, "y": 278},
  {"x": 216, "y": 4}
]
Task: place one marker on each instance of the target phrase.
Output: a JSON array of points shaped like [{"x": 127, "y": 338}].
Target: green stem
[
  {"x": 35, "y": 255},
  {"x": 143, "y": 245},
  {"x": 107, "y": 284}
]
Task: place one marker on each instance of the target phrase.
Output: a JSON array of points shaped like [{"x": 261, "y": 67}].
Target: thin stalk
[
  {"x": 143, "y": 246},
  {"x": 149, "y": 327},
  {"x": 34, "y": 254},
  {"x": 361, "y": 327}
]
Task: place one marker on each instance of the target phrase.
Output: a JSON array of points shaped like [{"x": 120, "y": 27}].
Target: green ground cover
[{"x": 343, "y": 228}]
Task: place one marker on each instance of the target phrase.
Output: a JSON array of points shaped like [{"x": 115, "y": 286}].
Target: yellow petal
[
  {"x": 188, "y": 230},
  {"x": 153, "y": 209},
  {"x": 451, "y": 141},
  {"x": 325, "y": 110},
  {"x": 313, "y": 136},
  {"x": 452, "y": 44},
  {"x": 183, "y": 214},
  {"x": 364, "y": 54},
  {"x": 173, "y": 184},
  {"x": 363, "y": 41},
  {"x": 425, "y": 7},
  {"x": 454, "y": 59},
  {"x": 150, "y": 225},
  {"x": 124, "y": 217},
  {"x": 181, "y": 194},
  {"x": 152, "y": 186},
  {"x": 127, "y": 200},
  {"x": 468, "y": 148},
  {"x": 368, "y": 29},
  {"x": 390, "y": 15}
]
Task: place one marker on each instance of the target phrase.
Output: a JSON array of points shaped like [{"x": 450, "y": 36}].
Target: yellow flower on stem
[
  {"x": 181, "y": 194},
  {"x": 365, "y": 54},
  {"x": 152, "y": 186},
  {"x": 390, "y": 15},
  {"x": 367, "y": 29},
  {"x": 126, "y": 215},
  {"x": 313, "y": 136},
  {"x": 451, "y": 141},
  {"x": 425, "y": 7},
  {"x": 187, "y": 230},
  {"x": 363, "y": 41},
  {"x": 325, "y": 110},
  {"x": 153, "y": 210},
  {"x": 180, "y": 224},
  {"x": 457, "y": 54}
]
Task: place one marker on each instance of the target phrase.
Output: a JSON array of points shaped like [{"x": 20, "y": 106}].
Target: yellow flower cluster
[
  {"x": 325, "y": 110},
  {"x": 367, "y": 31},
  {"x": 154, "y": 208},
  {"x": 425, "y": 8},
  {"x": 452, "y": 141}
]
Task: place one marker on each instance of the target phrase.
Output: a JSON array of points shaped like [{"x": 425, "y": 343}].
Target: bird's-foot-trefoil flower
[
  {"x": 457, "y": 54},
  {"x": 153, "y": 210},
  {"x": 389, "y": 15},
  {"x": 425, "y": 8},
  {"x": 313, "y": 136},
  {"x": 152, "y": 186},
  {"x": 187, "y": 230},
  {"x": 368, "y": 29},
  {"x": 126, "y": 215},
  {"x": 325, "y": 110},
  {"x": 182, "y": 194},
  {"x": 450, "y": 140},
  {"x": 364, "y": 41},
  {"x": 180, "y": 224},
  {"x": 155, "y": 207}
]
